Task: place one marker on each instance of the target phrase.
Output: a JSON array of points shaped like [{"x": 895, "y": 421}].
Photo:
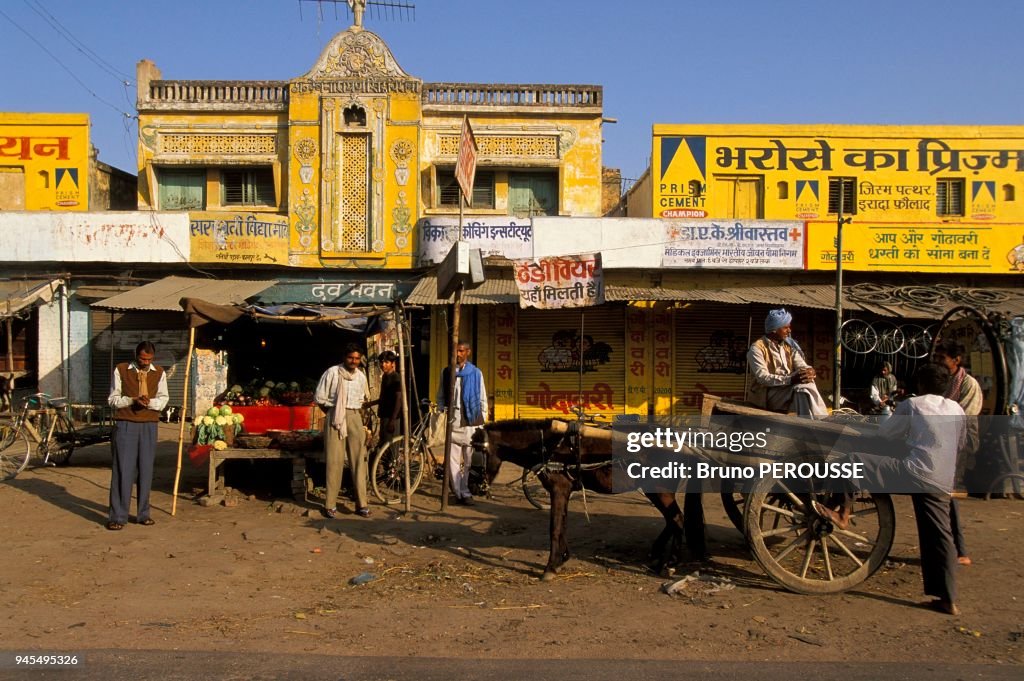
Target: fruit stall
[{"x": 268, "y": 412}]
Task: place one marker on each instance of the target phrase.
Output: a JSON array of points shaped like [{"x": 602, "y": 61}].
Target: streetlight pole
[{"x": 837, "y": 362}]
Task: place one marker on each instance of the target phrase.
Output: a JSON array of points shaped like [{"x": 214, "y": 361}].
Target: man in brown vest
[{"x": 138, "y": 394}]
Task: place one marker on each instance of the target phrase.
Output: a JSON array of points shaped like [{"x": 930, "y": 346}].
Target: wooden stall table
[{"x": 215, "y": 483}]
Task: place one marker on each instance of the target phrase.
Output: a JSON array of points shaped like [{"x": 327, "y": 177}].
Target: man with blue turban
[{"x": 779, "y": 377}]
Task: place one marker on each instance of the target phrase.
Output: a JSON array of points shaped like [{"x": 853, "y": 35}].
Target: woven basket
[
  {"x": 298, "y": 440},
  {"x": 253, "y": 441}
]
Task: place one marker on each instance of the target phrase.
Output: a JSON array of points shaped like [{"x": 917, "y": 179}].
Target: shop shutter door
[
  {"x": 165, "y": 329},
  {"x": 711, "y": 342},
  {"x": 549, "y": 357}
]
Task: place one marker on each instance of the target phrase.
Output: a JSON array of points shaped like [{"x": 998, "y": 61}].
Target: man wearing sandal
[{"x": 137, "y": 395}]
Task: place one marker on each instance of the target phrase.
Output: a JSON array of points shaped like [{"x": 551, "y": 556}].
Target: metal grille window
[
  {"x": 846, "y": 188},
  {"x": 248, "y": 187},
  {"x": 448, "y": 191},
  {"x": 949, "y": 197}
]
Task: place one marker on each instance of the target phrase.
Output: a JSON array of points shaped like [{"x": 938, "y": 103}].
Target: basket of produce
[
  {"x": 249, "y": 441},
  {"x": 296, "y": 440}
]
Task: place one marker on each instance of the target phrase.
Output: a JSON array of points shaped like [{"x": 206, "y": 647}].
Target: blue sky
[{"x": 672, "y": 61}]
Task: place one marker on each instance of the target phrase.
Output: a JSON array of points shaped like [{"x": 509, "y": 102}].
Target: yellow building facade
[
  {"x": 920, "y": 198},
  {"x": 44, "y": 161},
  {"x": 355, "y": 151}
]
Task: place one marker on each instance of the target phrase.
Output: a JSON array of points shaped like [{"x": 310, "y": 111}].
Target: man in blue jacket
[{"x": 468, "y": 413}]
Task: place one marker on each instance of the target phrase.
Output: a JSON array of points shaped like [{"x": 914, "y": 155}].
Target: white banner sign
[
  {"x": 755, "y": 244},
  {"x": 566, "y": 281},
  {"x": 502, "y": 236}
]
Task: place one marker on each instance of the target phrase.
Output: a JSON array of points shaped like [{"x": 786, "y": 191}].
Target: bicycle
[
  {"x": 44, "y": 419},
  {"x": 387, "y": 469}
]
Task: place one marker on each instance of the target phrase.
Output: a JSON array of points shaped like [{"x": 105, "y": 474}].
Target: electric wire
[
  {"x": 63, "y": 66},
  {"x": 89, "y": 54}
]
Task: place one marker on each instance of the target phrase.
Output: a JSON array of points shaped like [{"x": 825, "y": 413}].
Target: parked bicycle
[
  {"x": 387, "y": 469},
  {"x": 42, "y": 419}
]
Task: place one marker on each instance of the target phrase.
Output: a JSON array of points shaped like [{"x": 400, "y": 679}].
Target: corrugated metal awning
[
  {"x": 164, "y": 295},
  {"x": 930, "y": 303},
  {"x": 494, "y": 291},
  {"x": 18, "y": 295}
]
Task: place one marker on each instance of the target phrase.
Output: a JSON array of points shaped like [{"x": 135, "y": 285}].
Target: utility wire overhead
[
  {"x": 64, "y": 66},
  {"x": 37, "y": 7}
]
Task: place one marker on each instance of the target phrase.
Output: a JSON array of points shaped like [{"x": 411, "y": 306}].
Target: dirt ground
[{"x": 269, "y": 575}]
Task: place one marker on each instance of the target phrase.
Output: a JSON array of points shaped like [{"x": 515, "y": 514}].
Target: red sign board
[{"x": 465, "y": 167}]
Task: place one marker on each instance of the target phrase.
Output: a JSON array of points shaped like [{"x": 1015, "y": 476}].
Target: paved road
[{"x": 101, "y": 665}]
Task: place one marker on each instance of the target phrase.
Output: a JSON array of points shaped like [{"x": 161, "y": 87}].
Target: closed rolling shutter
[
  {"x": 550, "y": 351},
  {"x": 711, "y": 343},
  {"x": 711, "y": 349},
  {"x": 166, "y": 330}
]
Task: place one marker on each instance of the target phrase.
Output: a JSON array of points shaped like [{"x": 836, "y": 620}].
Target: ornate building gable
[{"x": 357, "y": 54}]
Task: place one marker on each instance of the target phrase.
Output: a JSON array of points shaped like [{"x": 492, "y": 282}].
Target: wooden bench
[{"x": 215, "y": 483}]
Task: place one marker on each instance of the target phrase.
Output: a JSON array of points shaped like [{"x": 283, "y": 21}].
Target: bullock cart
[{"x": 798, "y": 548}]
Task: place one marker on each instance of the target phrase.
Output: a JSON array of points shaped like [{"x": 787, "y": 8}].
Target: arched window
[
  {"x": 783, "y": 189},
  {"x": 1009, "y": 192}
]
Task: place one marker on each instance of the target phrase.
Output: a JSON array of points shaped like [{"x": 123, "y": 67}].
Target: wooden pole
[
  {"x": 405, "y": 403},
  {"x": 184, "y": 413},
  {"x": 450, "y": 397}
]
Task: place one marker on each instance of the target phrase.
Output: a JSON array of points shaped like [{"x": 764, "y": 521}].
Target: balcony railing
[
  {"x": 266, "y": 93},
  {"x": 474, "y": 94}
]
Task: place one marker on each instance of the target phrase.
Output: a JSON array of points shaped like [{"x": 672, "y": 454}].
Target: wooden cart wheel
[
  {"x": 734, "y": 502},
  {"x": 808, "y": 554}
]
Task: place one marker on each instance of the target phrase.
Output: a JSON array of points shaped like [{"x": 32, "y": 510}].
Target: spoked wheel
[
  {"x": 858, "y": 336},
  {"x": 534, "y": 489},
  {"x": 734, "y": 503},
  {"x": 61, "y": 444},
  {"x": 387, "y": 473},
  {"x": 890, "y": 338},
  {"x": 917, "y": 341},
  {"x": 808, "y": 554},
  {"x": 14, "y": 451}
]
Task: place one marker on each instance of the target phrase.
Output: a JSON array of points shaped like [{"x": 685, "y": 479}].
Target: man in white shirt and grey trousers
[{"x": 341, "y": 393}]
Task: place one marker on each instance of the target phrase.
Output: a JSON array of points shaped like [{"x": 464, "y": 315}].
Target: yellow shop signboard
[
  {"x": 239, "y": 238},
  {"x": 909, "y": 247}
]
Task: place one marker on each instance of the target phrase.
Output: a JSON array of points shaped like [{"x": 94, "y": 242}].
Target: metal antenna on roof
[{"x": 379, "y": 9}]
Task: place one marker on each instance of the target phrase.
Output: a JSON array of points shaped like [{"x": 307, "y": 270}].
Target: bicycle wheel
[
  {"x": 14, "y": 451},
  {"x": 57, "y": 449},
  {"x": 858, "y": 336},
  {"x": 917, "y": 342},
  {"x": 890, "y": 338},
  {"x": 534, "y": 490},
  {"x": 387, "y": 474}
]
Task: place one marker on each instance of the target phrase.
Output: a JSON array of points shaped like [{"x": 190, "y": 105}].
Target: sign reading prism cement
[
  {"x": 465, "y": 167},
  {"x": 755, "y": 244},
  {"x": 557, "y": 282}
]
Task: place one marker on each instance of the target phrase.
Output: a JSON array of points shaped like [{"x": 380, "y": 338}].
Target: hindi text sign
[{"x": 559, "y": 282}]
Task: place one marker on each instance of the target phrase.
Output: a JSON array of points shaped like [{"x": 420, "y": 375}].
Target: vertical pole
[
  {"x": 450, "y": 397},
  {"x": 10, "y": 362},
  {"x": 405, "y": 403},
  {"x": 837, "y": 362},
  {"x": 184, "y": 414}
]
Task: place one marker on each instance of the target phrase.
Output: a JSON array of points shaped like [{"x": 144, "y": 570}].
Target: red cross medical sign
[{"x": 465, "y": 167}]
